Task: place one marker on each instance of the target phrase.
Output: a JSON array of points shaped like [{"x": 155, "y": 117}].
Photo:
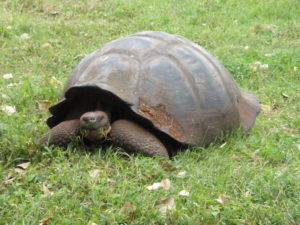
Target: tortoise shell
[{"x": 165, "y": 79}]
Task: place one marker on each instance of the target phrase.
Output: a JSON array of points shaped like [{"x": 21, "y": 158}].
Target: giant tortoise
[{"x": 152, "y": 93}]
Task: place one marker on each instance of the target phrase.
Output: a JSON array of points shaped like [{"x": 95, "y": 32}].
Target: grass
[{"x": 259, "y": 173}]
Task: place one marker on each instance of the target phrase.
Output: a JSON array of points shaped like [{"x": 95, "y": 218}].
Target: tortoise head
[{"x": 95, "y": 125}]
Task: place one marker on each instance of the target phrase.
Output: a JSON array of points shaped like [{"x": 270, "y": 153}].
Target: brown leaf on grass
[
  {"x": 25, "y": 36},
  {"x": 182, "y": 174},
  {"x": 46, "y": 45},
  {"x": 18, "y": 170},
  {"x": 8, "y": 76},
  {"x": 23, "y": 166},
  {"x": 266, "y": 108},
  {"x": 222, "y": 199},
  {"x": 44, "y": 220},
  {"x": 223, "y": 145},
  {"x": 9, "y": 110},
  {"x": 154, "y": 186},
  {"x": 54, "y": 13},
  {"x": 259, "y": 66},
  {"x": 166, "y": 184},
  {"x": 9, "y": 179},
  {"x": 128, "y": 209},
  {"x": 44, "y": 104},
  {"x": 46, "y": 190},
  {"x": 94, "y": 173},
  {"x": 80, "y": 56},
  {"x": 165, "y": 205},
  {"x": 54, "y": 81},
  {"x": 13, "y": 84},
  {"x": 184, "y": 193}
]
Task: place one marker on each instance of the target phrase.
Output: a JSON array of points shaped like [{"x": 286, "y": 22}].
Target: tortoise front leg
[
  {"x": 62, "y": 134},
  {"x": 136, "y": 139}
]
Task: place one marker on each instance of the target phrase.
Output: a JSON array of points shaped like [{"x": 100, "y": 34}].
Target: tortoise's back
[{"x": 176, "y": 84}]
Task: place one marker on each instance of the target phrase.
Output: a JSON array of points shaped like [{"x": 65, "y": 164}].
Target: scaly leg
[
  {"x": 136, "y": 139},
  {"x": 62, "y": 134}
]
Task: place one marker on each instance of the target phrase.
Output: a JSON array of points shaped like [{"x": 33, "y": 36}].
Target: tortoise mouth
[
  {"x": 95, "y": 134},
  {"x": 95, "y": 125}
]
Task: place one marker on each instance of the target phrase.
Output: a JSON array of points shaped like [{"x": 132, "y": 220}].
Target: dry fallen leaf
[
  {"x": 128, "y": 209},
  {"x": 54, "y": 13},
  {"x": 44, "y": 220},
  {"x": 94, "y": 173},
  {"x": 165, "y": 205},
  {"x": 46, "y": 190},
  {"x": 80, "y": 56},
  {"x": 13, "y": 85},
  {"x": 266, "y": 108},
  {"x": 222, "y": 199},
  {"x": 18, "y": 170},
  {"x": 181, "y": 174},
  {"x": 166, "y": 184},
  {"x": 183, "y": 193},
  {"x": 223, "y": 145},
  {"x": 154, "y": 186},
  {"x": 46, "y": 45},
  {"x": 44, "y": 104},
  {"x": 53, "y": 80},
  {"x": 258, "y": 65},
  {"x": 9, "y": 110},
  {"x": 25, "y": 36},
  {"x": 9, "y": 179},
  {"x": 23, "y": 166},
  {"x": 8, "y": 76}
]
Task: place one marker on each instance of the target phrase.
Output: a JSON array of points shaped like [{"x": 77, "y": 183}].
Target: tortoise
[{"x": 153, "y": 93}]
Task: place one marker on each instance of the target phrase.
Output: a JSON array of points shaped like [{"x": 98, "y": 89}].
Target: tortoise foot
[{"x": 136, "y": 139}]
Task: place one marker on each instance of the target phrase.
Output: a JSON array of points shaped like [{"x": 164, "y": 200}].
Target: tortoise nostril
[
  {"x": 85, "y": 119},
  {"x": 89, "y": 119}
]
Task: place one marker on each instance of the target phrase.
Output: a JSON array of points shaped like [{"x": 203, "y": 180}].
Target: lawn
[{"x": 252, "y": 179}]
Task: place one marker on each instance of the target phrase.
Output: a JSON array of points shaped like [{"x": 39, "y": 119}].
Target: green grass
[{"x": 260, "y": 173}]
